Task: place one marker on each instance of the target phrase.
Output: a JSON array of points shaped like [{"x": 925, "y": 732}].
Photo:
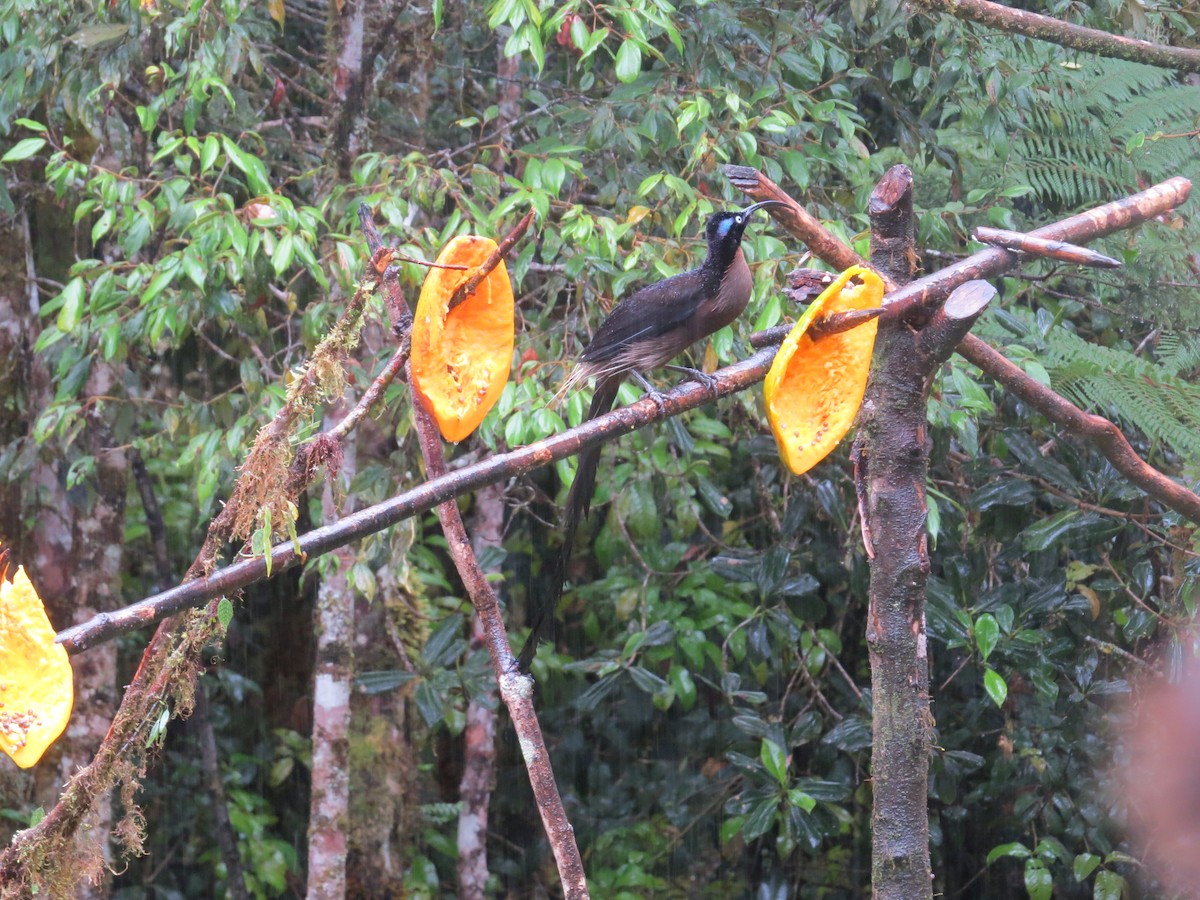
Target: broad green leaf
[
  {"x": 1109, "y": 886},
  {"x": 103, "y": 224},
  {"x": 1084, "y": 865},
  {"x": 23, "y": 149},
  {"x": 760, "y": 820},
  {"x": 554, "y": 173},
  {"x": 628, "y": 61},
  {"x": 995, "y": 685},
  {"x": 1016, "y": 850},
  {"x": 987, "y": 634},
  {"x": 685, "y": 688},
  {"x": 801, "y": 799},
  {"x": 72, "y": 305},
  {"x": 579, "y": 33},
  {"x": 281, "y": 259},
  {"x": 208, "y": 153},
  {"x": 1039, "y": 883},
  {"x": 251, "y": 166},
  {"x": 730, "y": 828},
  {"x": 774, "y": 759}
]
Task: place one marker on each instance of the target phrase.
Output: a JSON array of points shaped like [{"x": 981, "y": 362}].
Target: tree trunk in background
[
  {"x": 210, "y": 760},
  {"x": 385, "y": 795},
  {"x": 347, "y": 85},
  {"x": 508, "y": 101},
  {"x": 333, "y": 624},
  {"x": 74, "y": 549},
  {"x": 479, "y": 750}
]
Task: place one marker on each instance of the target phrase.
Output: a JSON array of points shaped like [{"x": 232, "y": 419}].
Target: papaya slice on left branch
[
  {"x": 461, "y": 357},
  {"x": 36, "y": 686}
]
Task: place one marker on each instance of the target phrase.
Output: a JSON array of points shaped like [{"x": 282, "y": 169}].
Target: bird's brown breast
[{"x": 730, "y": 299}]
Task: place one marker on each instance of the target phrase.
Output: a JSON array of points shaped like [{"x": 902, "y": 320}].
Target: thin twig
[
  {"x": 390, "y": 254},
  {"x": 468, "y": 287},
  {"x": 1131, "y": 594},
  {"x": 832, "y": 657},
  {"x": 371, "y": 395},
  {"x": 1114, "y": 650}
]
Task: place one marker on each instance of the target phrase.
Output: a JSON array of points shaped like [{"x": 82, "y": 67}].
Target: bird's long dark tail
[{"x": 579, "y": 501}]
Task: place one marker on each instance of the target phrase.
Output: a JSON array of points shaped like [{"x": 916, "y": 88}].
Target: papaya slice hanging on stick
[
  {"x": 36, "y": 686},
  {"x": 461, "y": 356},
  {"x": 816, "y": 384}
]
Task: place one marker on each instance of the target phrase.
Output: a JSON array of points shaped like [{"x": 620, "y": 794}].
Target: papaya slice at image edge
[
  {"x": 461, "y": 357},
  {"x": 36, "y": 683},
  {"x": 816, "y": 385}
]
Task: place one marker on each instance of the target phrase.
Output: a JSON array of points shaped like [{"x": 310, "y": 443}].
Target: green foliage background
[{"x": 707, "y": 694}]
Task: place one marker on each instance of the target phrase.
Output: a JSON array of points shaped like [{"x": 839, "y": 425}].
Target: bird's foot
[
  {"x": 709, "y": 381},
  {"x": 659, "y": 398}
]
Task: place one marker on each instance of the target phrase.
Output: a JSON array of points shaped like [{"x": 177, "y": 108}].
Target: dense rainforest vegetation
[{"x": 180, "y": 220}]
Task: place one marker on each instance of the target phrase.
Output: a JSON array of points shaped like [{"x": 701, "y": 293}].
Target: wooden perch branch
[
  {"x": 1065, "y": 34},
  {"x": 794, "y": 217},
  {"x": 415, "y": 501},
  {"x": 1107, "y": 437},
  {"x": 424, "y": 497}
]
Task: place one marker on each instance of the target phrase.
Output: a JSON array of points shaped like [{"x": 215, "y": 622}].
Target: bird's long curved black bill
[{"x": 753, "y": 207}]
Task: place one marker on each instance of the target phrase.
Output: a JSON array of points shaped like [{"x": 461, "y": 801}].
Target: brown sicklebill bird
[{"x": 643, "y": 332}]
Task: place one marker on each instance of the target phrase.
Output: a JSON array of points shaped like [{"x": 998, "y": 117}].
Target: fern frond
[
  {"x": 1179, "y": 353},
  {"x": 1147, "y": 395}
]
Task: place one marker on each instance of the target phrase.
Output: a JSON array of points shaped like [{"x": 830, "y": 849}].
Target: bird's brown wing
[{"x": 652, "y": 312}]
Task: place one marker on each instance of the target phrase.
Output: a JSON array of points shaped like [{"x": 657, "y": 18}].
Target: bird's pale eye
[{"x": 738, "y": 219}]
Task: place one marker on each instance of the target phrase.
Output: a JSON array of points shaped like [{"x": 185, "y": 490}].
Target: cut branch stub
[
  {"x": 1035, "y": 246},
  {"x": 461, "y": 355},
  {"x": 816, "y": 383}
]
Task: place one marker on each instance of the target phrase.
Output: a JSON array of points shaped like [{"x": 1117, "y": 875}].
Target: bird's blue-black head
[{"x": 724, "y": 230}]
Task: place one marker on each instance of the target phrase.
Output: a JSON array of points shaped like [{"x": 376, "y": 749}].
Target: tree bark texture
[
  {"x": 891, "y": 459},
  {"x": 84, "y": 584},
  {"x": 348, "y": 85},
  {"x": 333, "y": 675},
  {"x": 479, "y": 750},
  {"x": 891, "y": 462}
]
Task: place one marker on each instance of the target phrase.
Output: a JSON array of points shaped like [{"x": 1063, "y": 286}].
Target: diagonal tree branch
[
  {"x": 515, "y": 689},
  {"x": 1065, "y": 34}
]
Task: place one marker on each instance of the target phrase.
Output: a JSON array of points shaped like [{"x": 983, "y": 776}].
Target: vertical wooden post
[{"x": 891, "y": 459}]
